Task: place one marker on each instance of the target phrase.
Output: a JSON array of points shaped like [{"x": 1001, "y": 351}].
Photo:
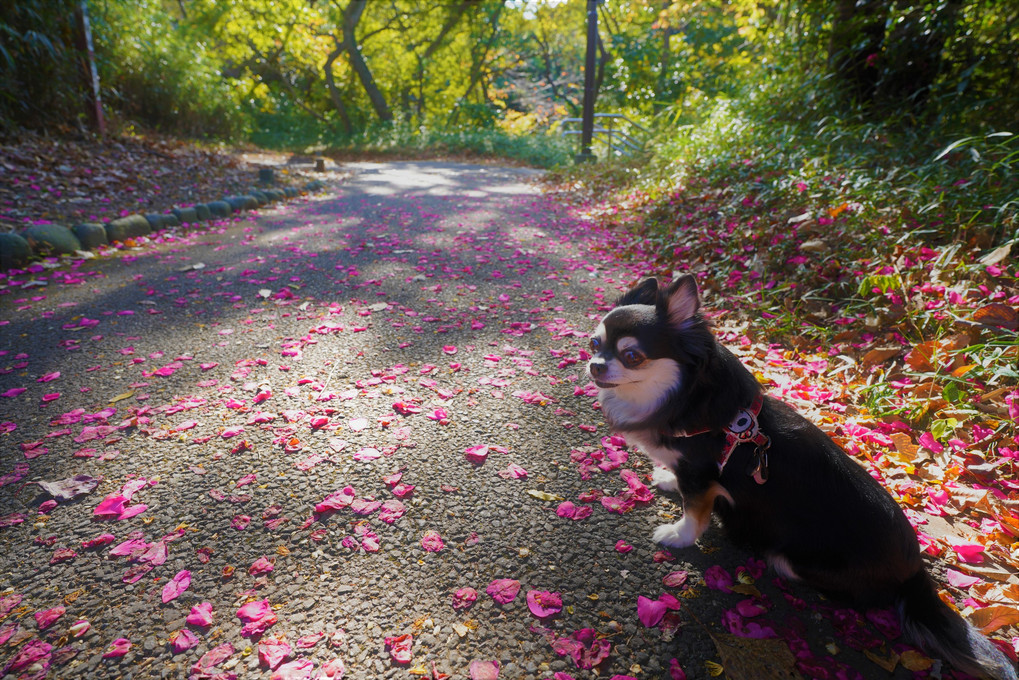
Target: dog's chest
[{"x": 650, "y": 442}]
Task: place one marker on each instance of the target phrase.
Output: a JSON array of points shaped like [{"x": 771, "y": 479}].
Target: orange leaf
[
  {"x": 997, "y": 314},
  {"x": 915, "y": 661},
  {"x": 990, "y": 619},
  {"x": 879, "y": 355},
  {"x": 924, "y": 357}
]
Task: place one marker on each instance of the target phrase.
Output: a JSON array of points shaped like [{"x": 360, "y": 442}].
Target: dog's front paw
[
  {"x": 665, "y": 479},
  {"x": 681, "y": 534}
]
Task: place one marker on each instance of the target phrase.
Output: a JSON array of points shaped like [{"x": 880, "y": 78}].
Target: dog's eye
[
  {"x": 595, "y": 345},
  {"x": 632, "y": 358}
]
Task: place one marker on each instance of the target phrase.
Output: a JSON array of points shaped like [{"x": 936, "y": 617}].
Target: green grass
[{"x": 402, "y": 140}]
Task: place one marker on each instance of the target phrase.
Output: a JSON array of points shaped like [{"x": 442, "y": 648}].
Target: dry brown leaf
[
  {"x": 997, "y": 314},
  {"x": 990, "y": 619},
  {"x": 879, "y": 355},
  {"x": 751, "y": 659},
  {"x": 915, "y": 661},
  {"x": 745, "y": 589},
  {"x": 887, "y": 663},
  {"x": 925, "y": 356},
  {"x": 904, "y": 447}
]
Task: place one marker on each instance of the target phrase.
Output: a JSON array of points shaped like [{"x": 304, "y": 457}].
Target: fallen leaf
[
  {"x": 755, "y": 659},
  {"x": 544, "y": 495},
  {"x": 887, "y": 663},
  {"x": 990, "y": 619}
]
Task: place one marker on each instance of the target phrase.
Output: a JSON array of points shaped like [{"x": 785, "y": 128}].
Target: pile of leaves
[{"x": 45, "y": 179}]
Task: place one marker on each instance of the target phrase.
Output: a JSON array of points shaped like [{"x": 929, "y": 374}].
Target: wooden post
[
  {"x": 587, "y": 122},
  {"x": 90, "y": 76}
]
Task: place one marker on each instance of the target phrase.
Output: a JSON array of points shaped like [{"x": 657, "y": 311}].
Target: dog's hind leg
[{"x": 696, "y": 518}]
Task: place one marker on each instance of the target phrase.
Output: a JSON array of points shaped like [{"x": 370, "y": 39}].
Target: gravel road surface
[{"x": 304, "y": 434}]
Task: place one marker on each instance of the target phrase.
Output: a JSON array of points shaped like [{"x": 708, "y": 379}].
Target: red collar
[{"x": 744, "y": 429}]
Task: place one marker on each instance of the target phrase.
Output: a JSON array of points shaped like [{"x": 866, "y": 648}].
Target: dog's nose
[{"x": 597, "y": 368}]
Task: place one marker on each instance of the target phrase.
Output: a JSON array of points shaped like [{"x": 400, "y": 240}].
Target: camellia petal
[
  {"x": 464, "y": 598},
  {"x": 48, "y": 617},
  {"x": 333, "y": 669},
  {"x": 118, "y": 648},
  {"x": 503, "y": 590},
  {"x": 432, "y": 541},
  {"x": 272, "y": 652},
  {"x": 543, "y": 603},
  {"x": 183, "y": 640},
  {"x": 298, "y": 669},
  {"x": 79, "y": 628},
  {"x": 201, "y": 615},
  {"x": 484, "y": 670},
  {"x": 400, "y": 647},
  {"x": 650, "y": 612},
  {"x": 177, "y": 585}
]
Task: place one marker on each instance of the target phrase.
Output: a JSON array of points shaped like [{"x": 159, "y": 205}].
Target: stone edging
[{"x": 42, "y": 240}]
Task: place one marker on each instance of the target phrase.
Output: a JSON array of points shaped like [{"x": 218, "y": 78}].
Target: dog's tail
[{"x": 937, "y": 628}]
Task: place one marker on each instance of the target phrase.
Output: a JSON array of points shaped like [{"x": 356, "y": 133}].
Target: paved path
[{"x": 353, "y": 352}]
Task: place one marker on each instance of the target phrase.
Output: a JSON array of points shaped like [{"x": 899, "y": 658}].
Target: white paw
[
  {"x": 681, "y": 534},
  {"x": 665, "y": 479}
]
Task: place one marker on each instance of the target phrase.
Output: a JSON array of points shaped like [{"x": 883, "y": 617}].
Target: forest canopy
[{"x": 307, "y": 72}]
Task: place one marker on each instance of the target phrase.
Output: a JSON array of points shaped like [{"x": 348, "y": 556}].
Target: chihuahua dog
[{"x": 778, "y": 483}]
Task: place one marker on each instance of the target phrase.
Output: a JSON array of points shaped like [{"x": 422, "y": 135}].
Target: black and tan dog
[{"x": 779, "y": 484}]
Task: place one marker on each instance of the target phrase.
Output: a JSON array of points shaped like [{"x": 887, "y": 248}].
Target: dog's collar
[{"x": 744, "y": 429}]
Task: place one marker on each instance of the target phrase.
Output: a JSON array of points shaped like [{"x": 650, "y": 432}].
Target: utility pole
[
  {"x": 587, "y": 123},
  {"x": 90, "y": 75}
]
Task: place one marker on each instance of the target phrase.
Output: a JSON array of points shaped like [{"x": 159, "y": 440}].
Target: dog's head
[{"x": 641, "y": 348}]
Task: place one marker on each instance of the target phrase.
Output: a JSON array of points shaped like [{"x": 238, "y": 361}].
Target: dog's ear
[
  {"x": 681, "y": 300},
  {"x": 644, "y": 293}
]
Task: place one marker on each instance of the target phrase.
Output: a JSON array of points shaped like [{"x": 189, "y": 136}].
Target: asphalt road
[{"x": 417, "y": 325}]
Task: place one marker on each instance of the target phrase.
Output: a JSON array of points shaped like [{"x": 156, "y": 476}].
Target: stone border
[{"x": 44, "y": 240}]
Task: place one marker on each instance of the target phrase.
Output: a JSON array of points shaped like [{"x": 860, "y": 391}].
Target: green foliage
[
  {"x": 38, "y": 73},
  {"x": 153, "y": 75}
]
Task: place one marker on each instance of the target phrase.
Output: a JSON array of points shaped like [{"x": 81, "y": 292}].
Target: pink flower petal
[
  {"x": 257, "y": 616},
  {"x": 484, "y": 670},
  {"x": 183, "y": 640},
  {"x": 211, "y": 659},
  {"x": 650, "y": 612},
  {"x": 961, "y": 580},
  {"x": 333, "y": 669},
  {"x": 298, "y": 669},
  {"x": 48, "y": 617},
  {"x": 261, "y": 566},
  {"x": 543, "y": 603},
  {"x": 718, "y": 578},
  {"x": 464, "y": 598},
  {"x": 970, "y": 553},
  {"x": 177, "y": 585},
  {"x": 118, "y": 648},
  {"x": 432, "y": 541},
  {"x": 272, "y": 652},
  {"x": 201, "y": 615},
  {"x": 400, "y": 647},
  {"x": 503, "y": 590}
]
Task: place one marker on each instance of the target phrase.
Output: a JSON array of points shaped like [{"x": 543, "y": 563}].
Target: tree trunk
[
  {"x": 854, "y": 46},
  {"x": 912, "y": 57},
  {"x": 351, "y": 17},
  {"x": 477, "y": 62},
  {"x": 455, "y": 14},
  {"x": 334, "y": 93}
]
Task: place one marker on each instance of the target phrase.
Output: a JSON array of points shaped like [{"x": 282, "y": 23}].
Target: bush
[{"x": 152, "y": 73}]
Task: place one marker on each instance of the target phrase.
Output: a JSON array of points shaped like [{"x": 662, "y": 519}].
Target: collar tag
[{"x": 744, "y": 429}]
